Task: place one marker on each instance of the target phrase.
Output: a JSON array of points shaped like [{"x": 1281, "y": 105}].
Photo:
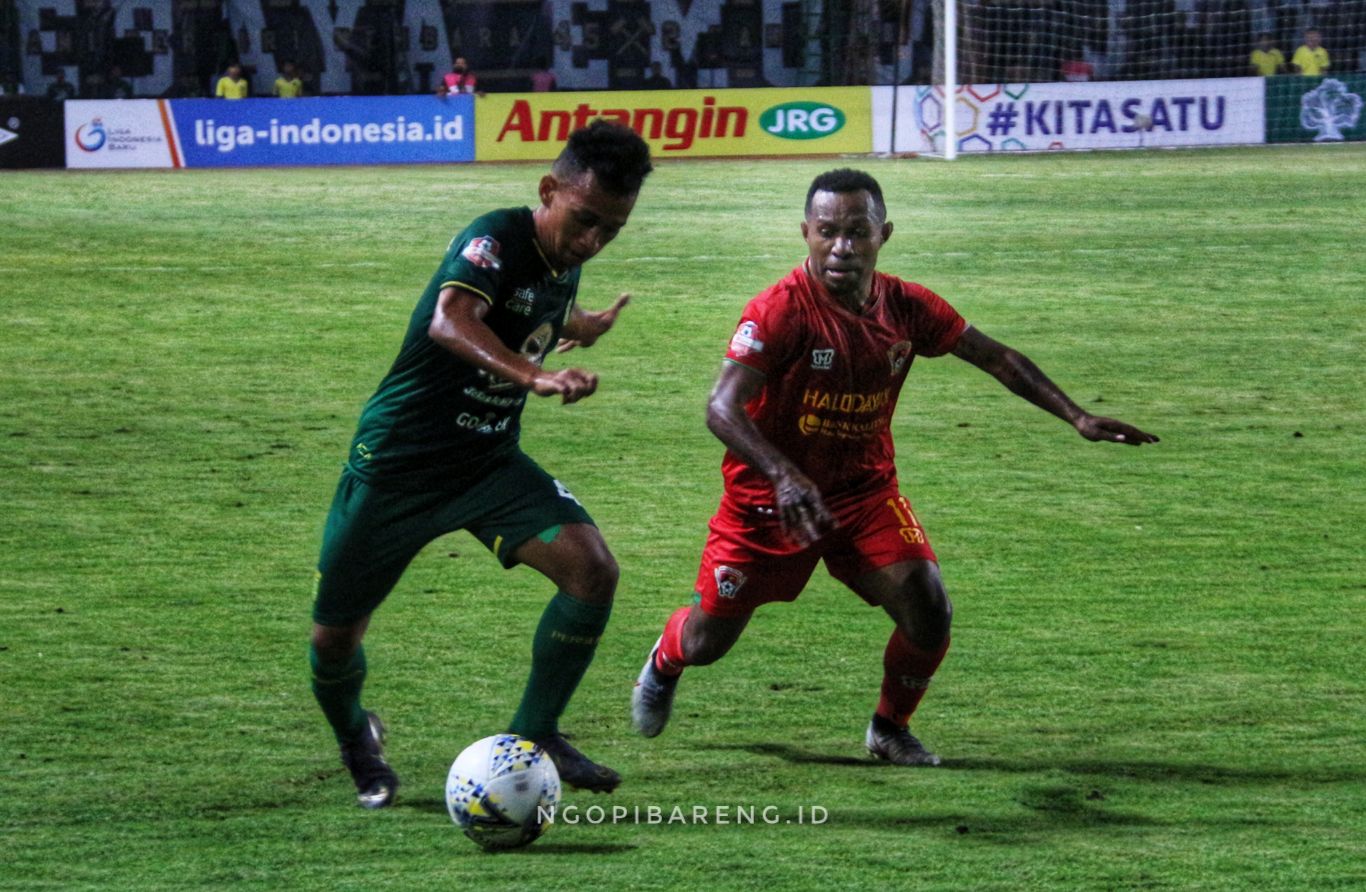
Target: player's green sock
[
  {"x": 336, "y": 686},
  {"x": 560, "y": 653}
]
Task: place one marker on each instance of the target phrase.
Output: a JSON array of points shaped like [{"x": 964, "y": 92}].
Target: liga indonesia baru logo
[{"x": 91, "y": 137}]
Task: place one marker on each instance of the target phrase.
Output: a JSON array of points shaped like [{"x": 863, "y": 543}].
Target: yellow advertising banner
[{"x": 681, "y": 123}]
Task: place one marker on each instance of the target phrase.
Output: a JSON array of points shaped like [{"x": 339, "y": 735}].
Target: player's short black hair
[
  {"x": 847, "y": 180},
  {"x": 613, "y": 153}
]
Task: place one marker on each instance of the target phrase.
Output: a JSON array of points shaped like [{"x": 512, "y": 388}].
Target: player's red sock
[
  {"x": 669, "y": 659},
  {"x": 906, "y": 674}
]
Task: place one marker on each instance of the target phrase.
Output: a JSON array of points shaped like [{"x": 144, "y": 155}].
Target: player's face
[
  {"x": 577, "y": 219},
  {"x": 844, "y": 233}
]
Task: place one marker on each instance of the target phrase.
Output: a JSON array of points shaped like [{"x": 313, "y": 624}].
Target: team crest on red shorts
[
  {"x": 728, "y": 581},
  {"x": 483, "y": 251}
]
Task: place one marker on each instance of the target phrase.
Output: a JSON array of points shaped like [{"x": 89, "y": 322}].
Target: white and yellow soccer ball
[{"x": 503, "y": 791}]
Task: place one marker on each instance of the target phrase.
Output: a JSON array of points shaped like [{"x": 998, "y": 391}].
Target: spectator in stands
[
  {"x": 61, "y": 89},
  {"x": 1311, "y": 58},
  {"x": 1074, "y": 66},
  {"x": 10, "y": 85},
  {"x": 1266, "y": 60},
  {"x": 119, "y": 87},
  {"x": 543, "y": 81},
  {"x": 1076, "y": 70},
  {"x": 657, "y": 80},
  {"x": 459, "y": 80},
  {"x": 289, "y": 85},
  {"x": 233, "y": 85}
]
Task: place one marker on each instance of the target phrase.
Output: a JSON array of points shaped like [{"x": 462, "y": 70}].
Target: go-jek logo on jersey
[
  {"x": 91, "y": 137},
  {"x": 802, "y": 120}
]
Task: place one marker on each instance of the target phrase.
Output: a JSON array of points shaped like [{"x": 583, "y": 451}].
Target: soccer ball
[{"x": 502, "y": 791}]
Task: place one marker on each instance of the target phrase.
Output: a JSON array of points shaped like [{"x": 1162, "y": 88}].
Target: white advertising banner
[
  {"x": 120, "y": 133},
  {"x": 1102, "y": 115}
]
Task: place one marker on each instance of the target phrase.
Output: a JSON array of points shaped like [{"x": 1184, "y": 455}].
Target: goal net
[{"x": 1029, "y": 58}]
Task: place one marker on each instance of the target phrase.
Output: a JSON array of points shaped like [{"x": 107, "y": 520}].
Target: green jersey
[{"x": 436, "y": 421}]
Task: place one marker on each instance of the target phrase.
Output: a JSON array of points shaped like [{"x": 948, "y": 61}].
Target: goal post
[{"x": 949, "y": 37}]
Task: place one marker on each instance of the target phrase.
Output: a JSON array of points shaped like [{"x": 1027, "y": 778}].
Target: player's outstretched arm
[
  {"x": 1023, "y": 378},
  {"x": 458, "y": 325},
  {"x": 584, "y": 328},
  {"x": 797, "y": 501}
]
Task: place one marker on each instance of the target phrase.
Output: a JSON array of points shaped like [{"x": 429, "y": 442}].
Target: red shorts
[{"x": 748, "y": 561}]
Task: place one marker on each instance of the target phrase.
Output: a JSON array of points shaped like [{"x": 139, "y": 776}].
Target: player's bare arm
[
  {"x": 584, "y": 328},
  {"x": 458, "y": 325},
  {"x": 1025, "y": 379},
  {"x": 798, "y": 503}
]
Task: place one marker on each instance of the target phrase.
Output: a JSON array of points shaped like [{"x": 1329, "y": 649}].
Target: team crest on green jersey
[{"x": 534, "y": 348}]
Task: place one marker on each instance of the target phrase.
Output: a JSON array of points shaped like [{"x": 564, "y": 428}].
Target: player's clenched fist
[
  {"x": 571, "y": 385},
  {"x": 804, "y": 517}
]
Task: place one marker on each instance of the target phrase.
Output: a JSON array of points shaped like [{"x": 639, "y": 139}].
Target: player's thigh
[
  {"x": 909, "y": 580},
  {"x": 518, "y": 508},
  {"x": 370, "y": 537},
  {"x": 575, "y": 558},
  {"x": 876, "y": 531},
  {"x": 881, "y": 551},
  {"x": 913, "y": 595},
  {"x": 747, "y": 563}
]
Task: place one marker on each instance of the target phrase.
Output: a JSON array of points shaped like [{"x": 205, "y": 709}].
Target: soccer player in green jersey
[{"x": 436, "y": 450}]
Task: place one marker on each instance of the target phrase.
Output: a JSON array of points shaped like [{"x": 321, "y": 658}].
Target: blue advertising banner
[{"x": 325, "y": 130}]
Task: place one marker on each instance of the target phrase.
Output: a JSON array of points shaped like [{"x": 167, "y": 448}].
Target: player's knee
[
  {"x": 603, "y": 576},
  {"x": 935, "y": 622},
  {"x": 595, "y": 579},
  {"x": 926, "y": 613},
  {"x": 335, "y": 644}
]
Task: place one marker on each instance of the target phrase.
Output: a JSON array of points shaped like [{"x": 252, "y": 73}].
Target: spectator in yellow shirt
[
  {"x": 288, "y": 85},
  {"x": 1311, "y": 58},
  {"x": 1266, "y": 60},
  {"x": 232, "y": 85}
]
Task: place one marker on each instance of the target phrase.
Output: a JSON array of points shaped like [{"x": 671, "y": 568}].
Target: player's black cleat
[
  {"x": 652, "y": 701},
  {"x": 376, "y": 782},
  {"x": 576, "y": 769},
  {"x": 896, "y": 745}
]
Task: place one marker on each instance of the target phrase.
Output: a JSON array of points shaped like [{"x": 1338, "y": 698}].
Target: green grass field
[{"x": 1156, "y": 679}]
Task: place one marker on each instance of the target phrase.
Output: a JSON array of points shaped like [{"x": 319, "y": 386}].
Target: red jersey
[
  {"x": 832, "y": 378},
  {"x": 462, "y": 82}
]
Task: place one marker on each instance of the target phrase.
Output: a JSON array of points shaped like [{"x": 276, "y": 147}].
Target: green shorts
[{"x": 373, "y": 533}]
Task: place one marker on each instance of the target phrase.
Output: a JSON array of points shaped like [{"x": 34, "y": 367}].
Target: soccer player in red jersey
[{"x": 804, "y": 405}]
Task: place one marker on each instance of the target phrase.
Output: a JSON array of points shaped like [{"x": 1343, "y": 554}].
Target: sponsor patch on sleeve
[
  {"x": 483, "y": 252},
  {"x": 745, "y": 340}
]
